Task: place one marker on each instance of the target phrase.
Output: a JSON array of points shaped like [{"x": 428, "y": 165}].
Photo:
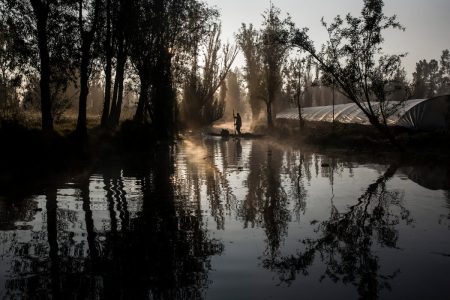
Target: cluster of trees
[
  {"x": 265, "y": 57},
  {"x": 351, "y": 62},
  {"x": 155, "y": 44},
  {"x": 200, "y": 98},
  {"x": 172, "y": 54},
  {"x": 281, "y": 61},
  {"x": 432, "y": 78}
]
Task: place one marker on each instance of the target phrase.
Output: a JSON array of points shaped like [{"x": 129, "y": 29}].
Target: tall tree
[
  {"x": 420, "y": 79},
  {"x": 353, "y": 57},
  {"x": 265, "y": 56},
  {"x": 297, "y": 77},
  {"x": 14, "y": 63},
  {"x": 432, "y": 78},
  {"x": 273, "y": 56},
  {"x": 121, "y": 60},
  {"x": 41, "y": 35},
  {"x": 234, "y": 101},
  {"x": 248, "y": 40},
  {"x": 445, "y": 72},
  {"x": 108, "y": 64},
  {"x": 201, "y": 101},
  {"x": 164, "y": 33},
  {"x": 88, "y": 16},
  {"x": 41, "y": 11},
  {"x": 142, "y": 33}
]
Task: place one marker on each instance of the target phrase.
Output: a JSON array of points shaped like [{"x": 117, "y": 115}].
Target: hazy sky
[{"x": 427, "y": 22}]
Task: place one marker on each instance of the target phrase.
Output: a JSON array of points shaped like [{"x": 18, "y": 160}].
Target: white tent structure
[{"x": 433, "y": 113}]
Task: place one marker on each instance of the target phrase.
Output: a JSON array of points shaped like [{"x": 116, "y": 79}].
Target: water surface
[{"x": 231, "y": 219}]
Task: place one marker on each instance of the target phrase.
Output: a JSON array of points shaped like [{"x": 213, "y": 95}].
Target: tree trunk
[
  {"x": 118, "y": 87},
  {"x": 270, "y": 99},
  {"x": 87, "y": 38},
  {"x": 108, "y": 70},
  {"x": 84, "y": 85},
  {"x": 386, "y": 132},
  {"x": 163, "y": 97},
  {"x": 300, "y": 118},
  {"x": 114, "y": 97},
  {"x": 119, "y": 103},
  {"x": 41, "y": 12},
  {"x": 143, "y": 96}
]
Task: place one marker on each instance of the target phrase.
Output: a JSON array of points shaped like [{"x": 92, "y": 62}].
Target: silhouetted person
[{"x": 237, "y": 122}]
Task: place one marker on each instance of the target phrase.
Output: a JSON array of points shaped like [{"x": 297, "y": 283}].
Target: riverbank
[
  {"x": 30, "y": 153},
  {"x": 361, "y": 138}
]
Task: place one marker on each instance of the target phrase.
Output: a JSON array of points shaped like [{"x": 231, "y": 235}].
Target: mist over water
[{"x": 219, "y": 219}]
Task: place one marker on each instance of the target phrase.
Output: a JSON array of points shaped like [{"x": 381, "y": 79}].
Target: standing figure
[{"x": 237, "y": 122}]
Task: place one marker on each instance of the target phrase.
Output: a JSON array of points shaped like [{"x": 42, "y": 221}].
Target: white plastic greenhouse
[{"x": 430, "y": 113}]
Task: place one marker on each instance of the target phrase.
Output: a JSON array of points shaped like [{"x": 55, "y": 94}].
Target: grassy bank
[{"x": 354, "y": 137}]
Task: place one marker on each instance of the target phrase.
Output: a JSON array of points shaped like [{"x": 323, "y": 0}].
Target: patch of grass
[
  {"x": 364, "y": 138},
  {"x": 64, "y": 126}
]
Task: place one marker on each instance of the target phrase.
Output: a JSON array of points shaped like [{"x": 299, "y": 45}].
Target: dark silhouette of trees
[
  {"x": 248, "y": 40},
  {"x": 71, "y": 40},
  {"x": 445, "y": 72},
  {"x": 432, "y": 78},
  {"x": 115, "y": 37},
  {"x": 162, "y": 34},
  {"x": 108, "y": 53},
  {"x": 353, "y": 58},
  {"x": 141, "y": 51},
  {"x": 297, "y": 74},
  {"x": 201, "y": 103},
  {"x": 273, "y": 57},
  {"x": 121, "y": 53},
  {"x": 41, "y": 38},
  {"x": 41, "y": 11},
  {"x": 38, "y": 40},
  {"x": 265, "y": 57},
  {"x": 88, "y": 18},
  {"x": 14, "y": 61}
]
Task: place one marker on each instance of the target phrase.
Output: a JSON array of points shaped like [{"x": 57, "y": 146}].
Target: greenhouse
[{"x": 433, "y": 113}]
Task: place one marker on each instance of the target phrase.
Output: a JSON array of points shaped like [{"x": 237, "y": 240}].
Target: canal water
[{"x": 231, "y": 219}]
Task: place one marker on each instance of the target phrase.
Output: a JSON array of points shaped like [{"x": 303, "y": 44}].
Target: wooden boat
[{"x": 246, "y": 135}]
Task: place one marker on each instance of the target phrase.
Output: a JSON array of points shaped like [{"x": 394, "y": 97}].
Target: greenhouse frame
[{"x": 419, "y": 114}]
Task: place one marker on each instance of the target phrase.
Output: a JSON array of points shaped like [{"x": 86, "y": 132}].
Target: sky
[{"x": 427, "y": 22}]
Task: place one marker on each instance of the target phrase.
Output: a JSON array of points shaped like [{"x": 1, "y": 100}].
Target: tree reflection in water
[
  {"x": 140, "y": 228},
  {"x": 200, "y": 173},
  {"x": 297, "y": 169},
  {"x": 161, "y": 252},
  {"x": 166, "y": 252},
  {"x": 346, "y": 241},
  {"x": 266, "y": 204}
]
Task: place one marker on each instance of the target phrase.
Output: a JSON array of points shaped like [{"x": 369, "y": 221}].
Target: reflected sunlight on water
[{"x": 221, "y": 219}]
